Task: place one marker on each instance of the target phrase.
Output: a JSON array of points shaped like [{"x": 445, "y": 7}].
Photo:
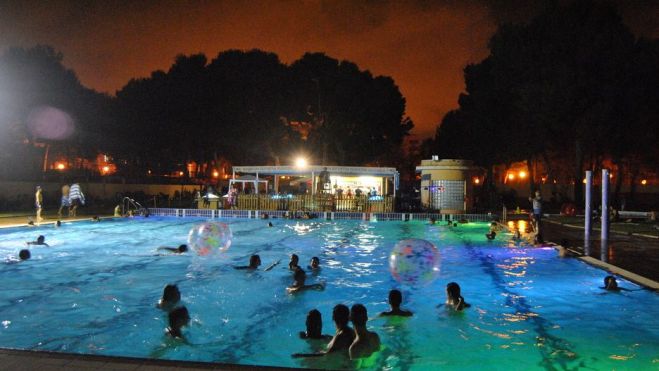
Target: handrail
[{"x": 126, "y": 204}]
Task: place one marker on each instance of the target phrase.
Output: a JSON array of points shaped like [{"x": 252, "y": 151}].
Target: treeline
[
  {"x": 570, "y": 89},
  {"x": 244, "y": 107}
]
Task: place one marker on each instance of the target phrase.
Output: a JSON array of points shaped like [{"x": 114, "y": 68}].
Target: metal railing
[
  {"x": 130, "y": 206},
  {"x": 324, "y": 215},
  {"x": 316, "y": 203}
]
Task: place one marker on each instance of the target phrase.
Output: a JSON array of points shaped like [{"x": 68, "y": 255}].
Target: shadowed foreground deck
[{"x": 11, "y": 359}]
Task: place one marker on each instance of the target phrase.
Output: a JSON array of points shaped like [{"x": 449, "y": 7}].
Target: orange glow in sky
[{"x": 423, "y": 45}]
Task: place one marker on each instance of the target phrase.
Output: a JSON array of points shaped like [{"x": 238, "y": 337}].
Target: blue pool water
[{"x": 94, "y": 291}]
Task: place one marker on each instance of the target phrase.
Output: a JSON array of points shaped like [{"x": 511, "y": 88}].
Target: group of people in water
[{"x": 354, "y": 342}]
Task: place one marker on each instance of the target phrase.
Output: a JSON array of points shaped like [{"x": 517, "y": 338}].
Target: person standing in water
[{"x": 366, "y": 342}]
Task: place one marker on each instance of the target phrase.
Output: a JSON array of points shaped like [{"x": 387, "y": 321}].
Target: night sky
[{"x": 423, "y": 45}]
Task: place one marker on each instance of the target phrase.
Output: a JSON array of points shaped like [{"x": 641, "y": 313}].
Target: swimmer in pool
[
  {"x": 254, "y": 262},
  {"x": 611, "y": 284},
  {"x": 343, "y": 337},
  {"x": 293, "y": 264},
  {"x": 41, "y": 240},
  {"x": 298, "y": 285},
  {"x": 171, "y": 296},
  {"x": 178, "y": 318},
  {"x": 366, "y": 342},
  {"x": 395, "y": 299},
  {"x": 314, "y": 325},
  {"x": 493, "y": 231},
  {"x": 314, "y": 265},
  {"x": 176, "y": 250},
  {"x": 24, "y": 254},
  {"x": 454, "y": 299}
]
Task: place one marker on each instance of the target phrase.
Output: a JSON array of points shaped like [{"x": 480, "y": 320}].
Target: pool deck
[{"x": 637, "y": 253}]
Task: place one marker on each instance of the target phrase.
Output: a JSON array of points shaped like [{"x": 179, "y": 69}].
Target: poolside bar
[{"x": 315, "y": 188}]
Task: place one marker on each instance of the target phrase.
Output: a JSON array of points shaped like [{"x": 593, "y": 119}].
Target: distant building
[{"x": 446, "y": 185}]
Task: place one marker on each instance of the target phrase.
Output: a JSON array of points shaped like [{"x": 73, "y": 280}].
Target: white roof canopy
[{"x": 313, "y": 170}]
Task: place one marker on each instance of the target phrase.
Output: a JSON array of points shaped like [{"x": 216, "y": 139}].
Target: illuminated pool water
[{"x": 93, "y": 291}]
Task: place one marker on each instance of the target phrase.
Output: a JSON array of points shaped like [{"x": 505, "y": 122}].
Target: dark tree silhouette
[{"x": 573, "y": 81}]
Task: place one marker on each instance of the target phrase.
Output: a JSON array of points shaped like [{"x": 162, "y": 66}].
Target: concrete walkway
[{"x": 636, "y": 254}]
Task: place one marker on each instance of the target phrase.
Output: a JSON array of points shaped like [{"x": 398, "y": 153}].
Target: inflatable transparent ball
[
  {"x": 414, "y": 262},
  {"x": 210, "y": 238}
]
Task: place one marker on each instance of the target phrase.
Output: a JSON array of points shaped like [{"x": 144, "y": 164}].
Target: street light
[{"x": 301, "y": 162}]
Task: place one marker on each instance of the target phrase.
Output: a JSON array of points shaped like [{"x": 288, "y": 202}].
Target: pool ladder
[{"x": 129, "y": 205}]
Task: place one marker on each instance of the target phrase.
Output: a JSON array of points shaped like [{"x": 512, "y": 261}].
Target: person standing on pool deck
[
  {"x": 38, "y": 203},
  {"x": 76, "y": 198},
  {"x": 366, "y": 342},
  {"x": 537, "y": 212},
  {"x": 64, "y": 202}
]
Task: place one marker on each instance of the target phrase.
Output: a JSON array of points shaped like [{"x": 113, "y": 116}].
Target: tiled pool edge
[{"x": 19, "y": 359}]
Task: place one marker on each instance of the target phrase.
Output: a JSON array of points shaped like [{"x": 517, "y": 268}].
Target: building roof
[{"x": 336, "y": 170}]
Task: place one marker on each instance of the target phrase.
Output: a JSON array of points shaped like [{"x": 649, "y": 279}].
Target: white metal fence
[{"x": 255, "y": 214}]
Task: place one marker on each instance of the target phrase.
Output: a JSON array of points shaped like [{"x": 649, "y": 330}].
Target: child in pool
[
  {"x": 453, "y": 297},
  {"x": 171, "y": 296},
  {"x": 395, "y": 299},
  {"x": 176, "y": 250},
  {"x": 178, "y": 318},
  {"x": 314, "y": 264},
  {"x": 314, "y": 325},
  {"x": 299, "y": 280},
  {"x": 293, "y": 264},
  {"x": 254, "y": 262},
  {"x": 41, "y": 240}
]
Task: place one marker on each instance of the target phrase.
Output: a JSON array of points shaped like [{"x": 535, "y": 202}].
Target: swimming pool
[{"x": 94, "y": 291}]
